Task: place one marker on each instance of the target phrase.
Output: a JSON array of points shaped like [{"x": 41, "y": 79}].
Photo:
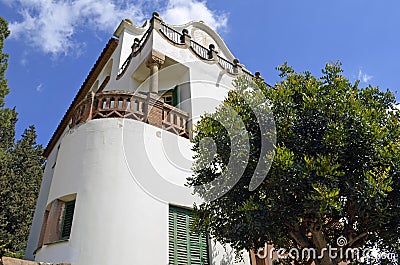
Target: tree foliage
[
  {"x": 4, "y": 33},
  {"x": 335, "y": 172},
  {"x": 21, "y": 169}
]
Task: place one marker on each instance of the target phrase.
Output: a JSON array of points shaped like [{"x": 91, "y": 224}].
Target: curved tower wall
[{"x": 115, "y": 220}]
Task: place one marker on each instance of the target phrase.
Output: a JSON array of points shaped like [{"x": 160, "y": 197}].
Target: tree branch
[
  {"x": 300, "y": 239},
  {"x": 294, "y": 232},
  {"x": 353, "y": 240}
]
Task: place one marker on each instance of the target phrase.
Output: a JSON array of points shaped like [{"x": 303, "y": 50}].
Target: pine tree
[{"x": 22, "y": 188}]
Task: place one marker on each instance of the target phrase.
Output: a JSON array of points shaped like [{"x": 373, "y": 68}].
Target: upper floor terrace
[{"x": 126, "y": 81}]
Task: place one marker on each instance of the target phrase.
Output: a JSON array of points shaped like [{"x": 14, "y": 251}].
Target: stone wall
[{"x": 13, "y": 261}]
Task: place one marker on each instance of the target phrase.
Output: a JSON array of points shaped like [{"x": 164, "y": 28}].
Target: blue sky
[{"x": 54, "y": 43}]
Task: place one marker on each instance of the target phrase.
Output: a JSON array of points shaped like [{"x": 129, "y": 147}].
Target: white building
[{"x": 113, "y": 189}]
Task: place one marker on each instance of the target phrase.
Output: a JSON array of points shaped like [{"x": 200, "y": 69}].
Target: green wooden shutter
[
  {"x": 67, "y": 219},
  {"x": 186, "y": 247}
]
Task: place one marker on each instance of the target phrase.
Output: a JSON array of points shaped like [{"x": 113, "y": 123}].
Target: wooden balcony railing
[
  {"x": 175, "y": 120},
  {"x": 129, "y": 105}
]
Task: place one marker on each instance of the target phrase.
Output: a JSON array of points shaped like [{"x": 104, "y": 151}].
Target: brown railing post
[{"x": 154, "y": 110}]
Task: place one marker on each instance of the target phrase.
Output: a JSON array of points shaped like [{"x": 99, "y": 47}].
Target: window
[
  {"x": 168, "y": 98},
  {"x": 185, "y": 246},
  {"x": 55, "y": 160},
  {"x": 57, "y": 220},
  {"x": 67, "y": 219},
  {"x": 171, "y": 97}
]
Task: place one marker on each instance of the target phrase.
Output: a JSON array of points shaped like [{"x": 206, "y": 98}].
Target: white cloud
[
  {"x": 183, "y": 11},
  {"x": 24, "y": 58},
  {"x": 39, "y": 88},
  {"x": 364, "y": 76},
  {"x": 51, "y": 25}
]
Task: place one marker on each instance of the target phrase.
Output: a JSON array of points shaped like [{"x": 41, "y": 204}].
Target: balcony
[
  {"x": 183, "y": 40},
  {"x": 130, "y": 105}
]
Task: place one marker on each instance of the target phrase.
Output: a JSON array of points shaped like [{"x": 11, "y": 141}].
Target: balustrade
[{"x": 122, "y": 104}]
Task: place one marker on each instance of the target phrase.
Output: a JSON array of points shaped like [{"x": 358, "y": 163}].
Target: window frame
[{"x": 201, "y": 242}]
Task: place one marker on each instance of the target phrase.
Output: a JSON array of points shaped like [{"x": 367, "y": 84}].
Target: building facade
[{"x": 113, "y": 189}]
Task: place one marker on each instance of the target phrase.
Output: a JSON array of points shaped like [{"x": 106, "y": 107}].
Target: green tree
[
  {"x": 335, "y": 171},
  {"x": 4, "y": 33},
  {"x": 21, "y": 169}
]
